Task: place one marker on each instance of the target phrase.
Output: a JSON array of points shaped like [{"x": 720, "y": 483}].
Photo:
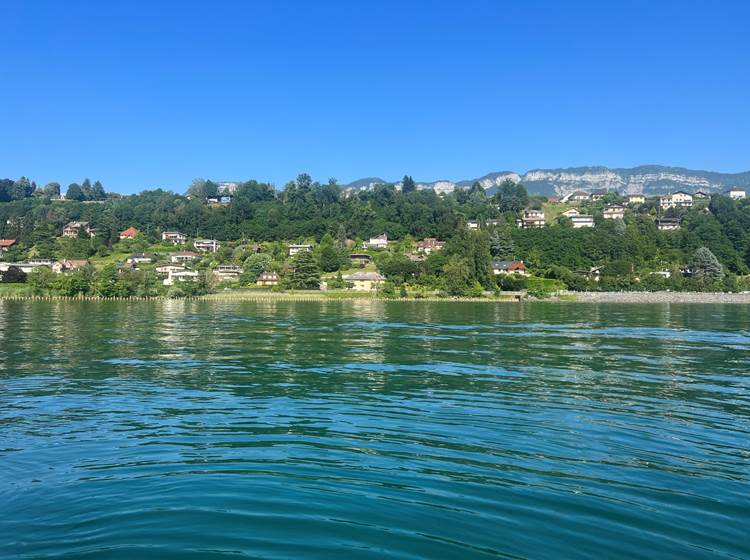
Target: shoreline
[{"x": 505, "y": 297}]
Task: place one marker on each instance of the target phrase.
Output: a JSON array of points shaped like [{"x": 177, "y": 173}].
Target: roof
[
  {"x": 268, "y": 276},
  {"x": 130, "y": 232},
  {"x": 184, "y": 254},
  {"x": 74, "y": 263},
  {"x": 372, "y": 276},
  {"x": 7, "y": 242},
  {"x": 142, "y": 256},
  {"x": 509, "y": 265}
]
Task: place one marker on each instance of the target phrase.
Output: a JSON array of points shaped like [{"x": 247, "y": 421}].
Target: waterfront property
[
  {"x": 175, "y": 276},
  {"x": 365, "y": 281},
  {"x": 228, "y": 272},
  {"x": 268, "y": 279}
]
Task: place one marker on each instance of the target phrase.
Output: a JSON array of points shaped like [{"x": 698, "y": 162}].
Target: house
[
  {"x": 365, "y": 281},
  {"x": 492, "y": 223},
  {"x": 206, "y": 245},
  {"x": 42, "y": 262},
  {"x": 24, "y": 267},
  {"x": 509, "y": 267},
  {"x": 472, "y": 224},
  {"x": 667, "y": 224},
  {"x": 664, "y": 273},
  {"x": 69, "y": 265},
  {"x": 571, "y": 212},
  {"x": 6, "y": 244},
  {"x": 594, "y": 273},
  {"x": 180, "y": 276},
  {"x": 676, "y": 199},
  {"x": 139, "y": 258},
  {"x": 165, "y": 269},
  {"x": 129, "y": 233},
  {"x": 531, "y": 219},
  {"x": 635, "y": 199},
  {"x": 576, "y": 196},
  {"x": 700, "y": 195},
  {"x": 294, "y": 249},
  {"x": 553, "y": 200},
  {"x": 73, "y": 229},
  {"x": 429, "y": 244},
  {"x": 268, "y": 279},
  {"x": 174, "y": 237},
  {"x": 183, "y": 257},
  {"x": 228, "y": 272},
  {"x": 582, "y": 221},
  {"x": 735, "y": 193},
  {"x": 614, "y": 212},
  {"x": 360, "y": 259},
  {"x": 377, "y": 243}
]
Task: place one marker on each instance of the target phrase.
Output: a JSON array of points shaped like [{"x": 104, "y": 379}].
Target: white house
[
  {"x": 294, "y": 249},
  {"x": 183, "y": 256},
  {"x": 614, "y": 212},
  {"x": 582, "y": 221},
  {"x": 180, "y": 276},
  {"x": 472, "y": 224},
  {"x": 675, "y": 199},
  {"x": 667, "y": 224},
  {"x": 736, "y": 193},
  {"x": 635, "y": 199},
  {"x": 379, "y": 242},
  {"x": 174, "y": 237},
  {"x": 531, "y": 219},
  {"x": 206, "y": 245}
]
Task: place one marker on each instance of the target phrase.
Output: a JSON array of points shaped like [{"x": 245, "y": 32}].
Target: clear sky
[{"x": 154, "y": 94}]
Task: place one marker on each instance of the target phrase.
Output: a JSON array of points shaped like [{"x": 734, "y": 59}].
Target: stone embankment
[{"x": 658, "y": 297}]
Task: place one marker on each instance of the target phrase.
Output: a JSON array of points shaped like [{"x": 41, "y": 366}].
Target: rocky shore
[{"x": 658, "y": 297}]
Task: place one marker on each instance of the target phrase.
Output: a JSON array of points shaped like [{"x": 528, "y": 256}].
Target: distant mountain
[{"x": 647, "y": 179}]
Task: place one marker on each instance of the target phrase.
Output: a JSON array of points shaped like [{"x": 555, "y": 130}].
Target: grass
[
  {"x": 15, "y": 290},
  {"x": 552, "y": 210}
]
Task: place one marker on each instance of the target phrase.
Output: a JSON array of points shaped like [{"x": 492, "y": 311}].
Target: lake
[{"x": 366, "y": 429}]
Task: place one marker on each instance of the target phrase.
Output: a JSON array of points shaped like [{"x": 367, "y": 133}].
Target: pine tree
[
  {"x": 501, "y": 245},
  {"x": 305, "y": 274},
  {"x": 408, "y": 185},
  {"x": 705, "y": 265},
  {"x": 74, "y": 192},
  {"x": 341, "y": 237}
]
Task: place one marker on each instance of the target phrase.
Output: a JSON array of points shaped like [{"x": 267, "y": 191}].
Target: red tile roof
[
  {"x": 130, "y": 232},
  {"x": 7, "y": 242}
]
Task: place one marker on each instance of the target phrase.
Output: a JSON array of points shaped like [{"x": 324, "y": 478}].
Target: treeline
[
  {"x": 23, "y": 188},
  {"x": 626, "y": 250}
]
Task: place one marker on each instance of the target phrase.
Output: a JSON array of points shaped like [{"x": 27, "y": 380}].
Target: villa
[
  {"x": 69, "y": 265},
  {"x": 180, "y": 276},
  {"x": 139, "y": 258},
  {"x": 206, "y": 245},
  {"x": 174, "y": 237},
  {"x": 676, "y": 199},
  {"x": 183, "y": 256},
  {"x": 360, "y": 259},
  {"x": 429, "y": 244},
  {"x": 531, "y": 219},
  {"x": 582, "y": 221},
  {"x": 667, "y": 224},
  {"x": 377, "y": 243},
  {"x": 365, "y": 281},
  {"x": 736, "y": 193}
]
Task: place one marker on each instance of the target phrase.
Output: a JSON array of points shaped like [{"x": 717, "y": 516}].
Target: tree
[
  {"x": 86, "y": 189},
  {"x": 51, "y": 189},
  {"x": 41, "y": 279},
  {"x": 21, "y": 189},
  {"x": 304, "y": 274},
  {"x": 511, "y": 196},
  {"x": 97, "y": 191},
  {"x": 341, "y": 237},
  {"x": 408, "y": 185},
  {"x": 328, "y": 257},
  {"x": 705, "y": 265},
  {"x": 457, "y": 274},
  {"x": 13, "y": 275},
  {"x": 501, "y": 245},
  {"x": 254, "y": 266},
  {"x": 74, "y": 192}
]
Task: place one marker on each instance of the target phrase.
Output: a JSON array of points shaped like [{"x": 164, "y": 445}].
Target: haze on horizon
[{"x": 141, "y": 96}]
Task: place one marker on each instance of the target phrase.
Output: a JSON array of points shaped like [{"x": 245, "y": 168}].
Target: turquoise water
[{"x": 370, "y": 430}]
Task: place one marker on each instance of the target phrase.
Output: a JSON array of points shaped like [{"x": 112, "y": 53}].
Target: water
[{"x": 371, "y": 430}]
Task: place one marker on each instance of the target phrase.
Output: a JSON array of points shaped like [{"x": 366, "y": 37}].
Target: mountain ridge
[{"x": 649, "y": 179}]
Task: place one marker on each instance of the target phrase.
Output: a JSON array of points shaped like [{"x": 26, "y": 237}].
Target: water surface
[{"x": 368, "y": 430}]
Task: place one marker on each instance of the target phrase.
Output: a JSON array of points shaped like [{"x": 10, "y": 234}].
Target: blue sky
[{"x": 154, "y": 94}]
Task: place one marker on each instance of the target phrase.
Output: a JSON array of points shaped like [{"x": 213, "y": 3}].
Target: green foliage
[
  {"x": 254, "y": 266},
  {"x": 705, "y": 265},
  {"x": 13, "y": 275},
  {"x": 304, "y": 273}
]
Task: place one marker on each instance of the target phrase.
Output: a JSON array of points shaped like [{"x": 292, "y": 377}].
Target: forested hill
[{"x": 647, "y": 179}]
